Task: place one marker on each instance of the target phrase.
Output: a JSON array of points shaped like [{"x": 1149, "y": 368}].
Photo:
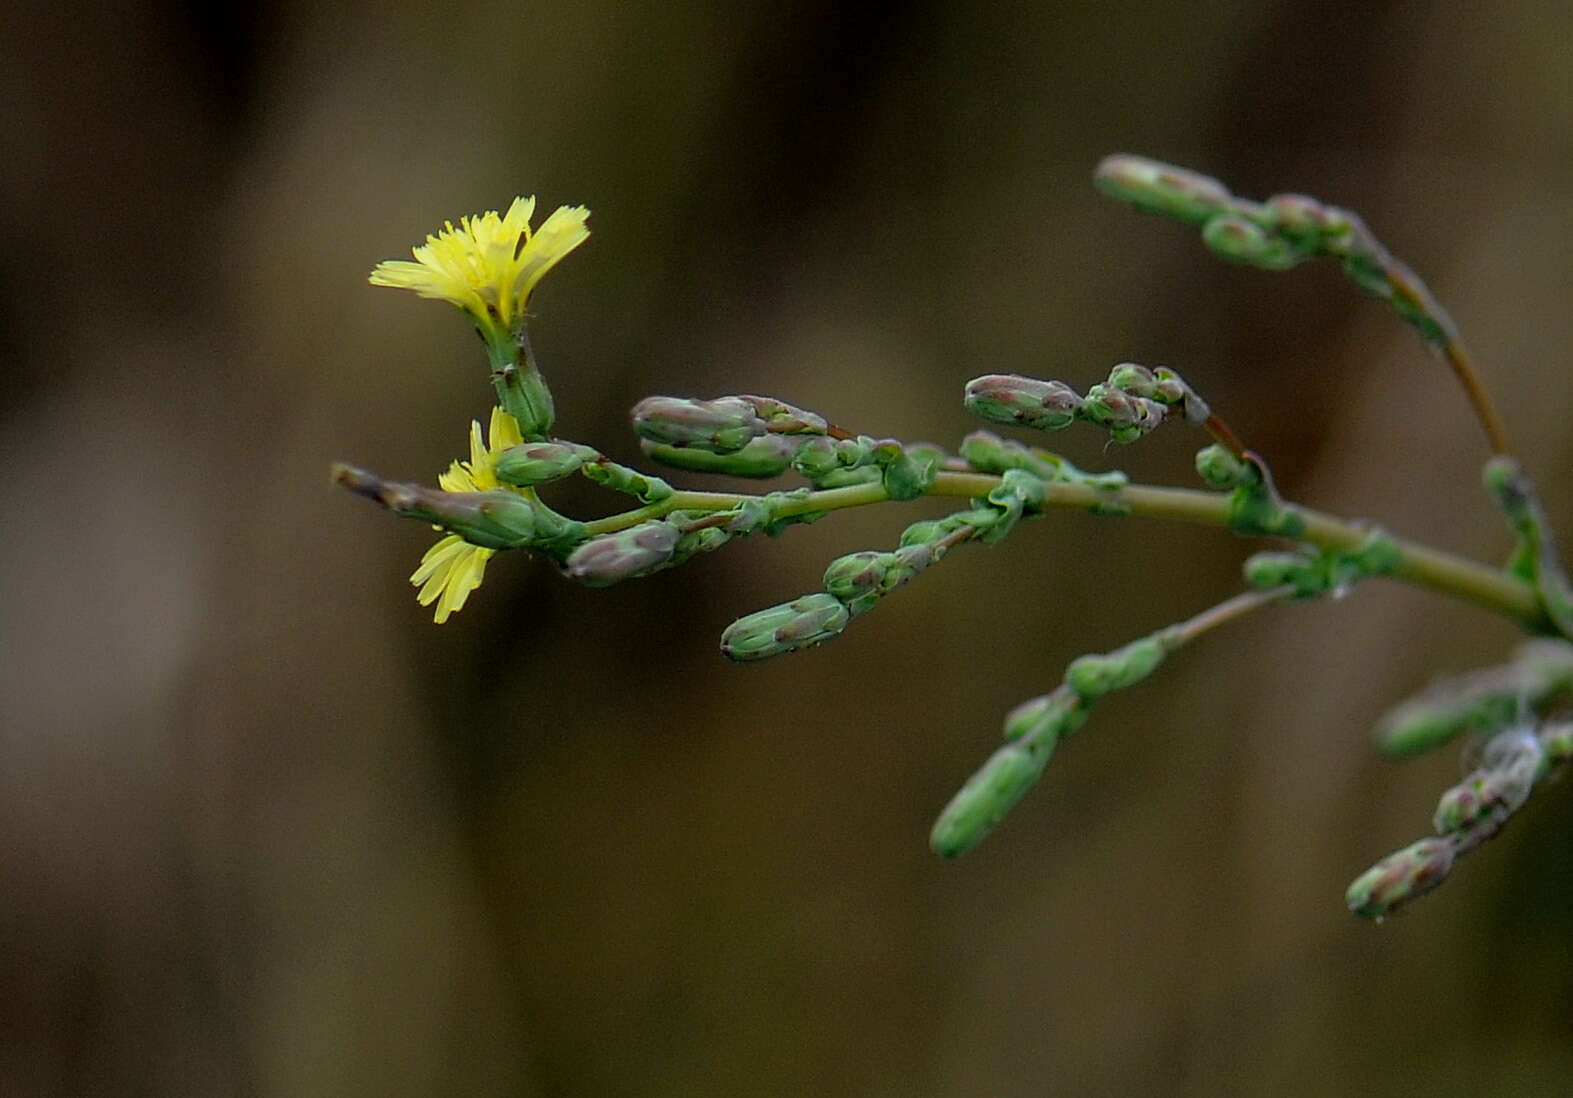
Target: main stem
[{"x": 1421, "y": 565}]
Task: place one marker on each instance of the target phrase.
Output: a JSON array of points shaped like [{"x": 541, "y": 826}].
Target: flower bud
[
  {"x": 1009, "y": 398},
  {"x": 1161, "y": 188},
  {"x": 1300, "y": 216},
  {"x": 1133, "y": 378},
  {"x": 611, "y": 558},
  {"x": 533, "y": 463},
  {"x": 765, "y": 456},
  {"x": 1233, "y": 237},
  {"x": 1053, "y": 715},
  {"x": 790, "y": 627},
  {"x": 1400, "y": 877},
  {"x": 989, "y": 794},
  {"x": 1222, "y": 470},
  {"x": 722, "y": 426},
  {"x": 1095, "y": 675}
]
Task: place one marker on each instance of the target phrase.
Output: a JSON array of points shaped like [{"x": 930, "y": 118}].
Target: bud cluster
[
  {"x": 1033, "y": 729},
  {"x": 1535, "y": 559},
  {"x": 1133, "y": 402},
  {"x": 1512, "y": 764},
  {"x": 1313, "y": 572}
]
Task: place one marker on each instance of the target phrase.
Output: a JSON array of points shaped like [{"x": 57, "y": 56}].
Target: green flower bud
[
  {"x": 492, "y": 520},
  {"x": 925, "y": 532},
  {"x": 857, "y": 574},
  {"x": 611, "y": 558},
  {"x": 1161, "y": 188},
  {"x": 1092, "y": 676},
  {"x": 1465, "y": 804},
  {"x": 1400, "y": 877},
  {"x": 790, "y": 627},
  {"x": 831, "y": 462},
  {"x": 1235, "y": 238},
  {"x": 532, "y": 463},
  {"x": 1301, "y": 217},
  {"x": 1268, "y": 570},
  {"x": 1009, "y": 398},
  {"x": 988, "y": 795},
  {"x": 906, "y": 472},
  {"x": 1222, "y": 470},
  {"x": 1127, "y": 417},
  {"x": 1054, "y": 715},
  {"x": 762, "y": 457},
  {"x": 722, "y": 426},
  {"x": 1135, "y": 379}
]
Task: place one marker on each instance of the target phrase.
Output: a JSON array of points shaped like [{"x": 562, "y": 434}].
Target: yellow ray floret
[
  {"x": 489, "y": 265},
  {"x": 453, "y": 567}
]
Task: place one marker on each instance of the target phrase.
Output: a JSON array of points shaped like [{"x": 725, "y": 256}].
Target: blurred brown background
[{"x": 268, "y": 831}]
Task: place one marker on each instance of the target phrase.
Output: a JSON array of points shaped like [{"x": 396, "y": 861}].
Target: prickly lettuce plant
[{"x": 1511, "y": 715}]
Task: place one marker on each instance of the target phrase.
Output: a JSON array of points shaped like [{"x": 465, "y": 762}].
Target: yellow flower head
[
  {"x": 489, "y": 265},
  {"x": 453, "y": 567}
]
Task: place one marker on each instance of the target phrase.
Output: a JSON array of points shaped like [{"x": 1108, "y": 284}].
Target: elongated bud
[
  {"x": 611, "y": 558},
  {"x": 989, "y": 794},
  {"x": 1400, "y": 877},
  {"x": 790, "y": 627},
  {"x": 723, "y": 425},
  {"x": 492, "y": 520},
  {"x": 533, "y": 463},
  {"x": 1235, "y": 238},
  {"x": 1481, "y": 701},
  {"x": 1161, "y": 188},
  {"x": 1010, "y": 398},
  {"x": 765, "y": 456},
  {"x": 1093, "y": 676}
]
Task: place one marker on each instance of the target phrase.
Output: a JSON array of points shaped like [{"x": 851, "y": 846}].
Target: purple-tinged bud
[
  {"x": 611, "y": 558},
  {"x": 1300, "y": 216},
  {"x": 1161, "y": 188},
  {"x": 1400, "y": 877},
  {"x": 765, "y": 456},
  {"x": 721, "y": 426},
  {"x": 532, "y": 463},
  {"x": 1243, "y": 241},
  {"x": 1134, "y": 378},
  {"x": 1009, "y": 398},
  {"x": 790, "y": 627}
]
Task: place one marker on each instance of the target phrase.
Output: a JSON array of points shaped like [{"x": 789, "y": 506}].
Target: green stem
[{"x": 1422, "y": 565}]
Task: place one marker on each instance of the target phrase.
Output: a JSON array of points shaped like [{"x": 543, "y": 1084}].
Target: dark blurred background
[{"x": 268, "y": 831}]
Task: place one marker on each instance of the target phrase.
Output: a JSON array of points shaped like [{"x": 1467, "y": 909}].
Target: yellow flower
[
  {"x": 453, "y": 567},
  {"x": 488, "y": 265}
]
